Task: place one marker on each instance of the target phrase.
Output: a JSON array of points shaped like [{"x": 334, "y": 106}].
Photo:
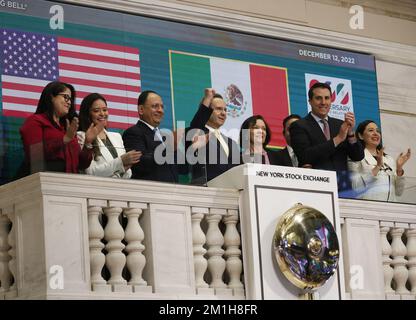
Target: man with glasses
[{"x": 145, "y": 136}]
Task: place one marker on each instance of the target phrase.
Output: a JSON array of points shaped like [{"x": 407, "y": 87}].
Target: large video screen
[{"x": 119, "y": 55}]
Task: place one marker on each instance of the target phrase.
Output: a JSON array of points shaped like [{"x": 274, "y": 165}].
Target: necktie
[
  {"x": 157, "y": 133},
  {"x": 294, "y": 160},
  {"x": 221, "y": 140},
  {"x": 326, "y": 129}
]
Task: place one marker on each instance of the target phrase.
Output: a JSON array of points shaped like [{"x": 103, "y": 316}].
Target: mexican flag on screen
[{"x": 247, "y": 88}]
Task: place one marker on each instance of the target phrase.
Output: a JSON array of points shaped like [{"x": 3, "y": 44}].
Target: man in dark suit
[
  {"x": 211, "y": 153},
  {"x": 146, "y": 137},
  {"x": 322, "y": 142},
  {"x": 286, "y": 156}
]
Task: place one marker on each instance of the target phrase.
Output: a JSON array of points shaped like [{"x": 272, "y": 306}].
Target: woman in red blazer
[{"x": 49, "y": 135}]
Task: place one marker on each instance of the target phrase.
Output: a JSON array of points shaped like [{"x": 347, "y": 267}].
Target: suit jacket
[
  {"x": 311, "y": 147},
  {"x": 283, "y": 158},
  {"x": 385, "y": 186},
  {"x": 213, "y": 160},
  {"x": 141, "y": 138},
  {"x": 105, "y": 165}
]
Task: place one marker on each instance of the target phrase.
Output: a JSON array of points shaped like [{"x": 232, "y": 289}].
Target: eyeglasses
[{"x": 67, "y": 97}]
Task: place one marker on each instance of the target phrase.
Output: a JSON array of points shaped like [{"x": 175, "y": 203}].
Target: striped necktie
[
  {"x": 326, "y": 129},
  {"x": 157, "y": 133}
]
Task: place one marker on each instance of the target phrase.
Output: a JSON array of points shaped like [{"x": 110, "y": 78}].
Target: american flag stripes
[{"x": 29, "y": 61}]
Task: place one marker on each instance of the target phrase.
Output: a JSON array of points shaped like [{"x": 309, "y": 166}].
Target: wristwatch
[{"x": 88, "y": 146}]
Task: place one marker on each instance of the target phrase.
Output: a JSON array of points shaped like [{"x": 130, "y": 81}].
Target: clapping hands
[
  {"x": 90, "y": 135},
  {"x": 93, "y": 131},
  {"x": 346, "y": 129},
  {"x": 71, "y": 129},
  {"x": 402, "y": 159},
  {"x": 130, "y": 158},
  {"x": 350, "y": 120}
]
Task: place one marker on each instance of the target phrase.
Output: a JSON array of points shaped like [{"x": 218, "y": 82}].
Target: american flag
[{"x": 29, "y": 61}]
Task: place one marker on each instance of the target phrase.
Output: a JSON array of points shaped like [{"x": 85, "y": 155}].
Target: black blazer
[
  {"x": 212, "y": 165},
  {"x": 141, "y": 138},
  {"x": 311, "y": 147},
  {"x": 283, "y": 158}
]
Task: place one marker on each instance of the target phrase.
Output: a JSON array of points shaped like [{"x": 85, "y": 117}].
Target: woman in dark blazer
[{"x": 255, "y": 134}]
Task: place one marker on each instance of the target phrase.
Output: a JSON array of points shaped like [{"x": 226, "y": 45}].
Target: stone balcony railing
[
  {"x": 379, "y": 248},
  {"x": 83, "y": 237},
  {"x": 66, "y": 236}
]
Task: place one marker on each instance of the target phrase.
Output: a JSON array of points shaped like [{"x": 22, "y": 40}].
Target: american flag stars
[{"x": 23, "y": 50}]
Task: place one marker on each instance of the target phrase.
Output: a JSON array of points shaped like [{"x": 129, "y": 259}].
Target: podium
[{"x": 266, "y": 192}]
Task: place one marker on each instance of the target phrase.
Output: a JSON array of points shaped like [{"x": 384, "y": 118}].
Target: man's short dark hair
[
  {"x": 143, "y": 97},
  {"x": 291, "y": 116},
  {"x": 318, "y": 85}
]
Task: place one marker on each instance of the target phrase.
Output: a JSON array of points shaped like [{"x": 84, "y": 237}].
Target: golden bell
[{"x": 306, "y": 247}]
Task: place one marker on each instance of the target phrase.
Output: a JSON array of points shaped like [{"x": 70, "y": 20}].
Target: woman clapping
[
  {"x": 110, "y": 157},
  {"x": 49, "y": 135},
  {"x": 378, "y": 176}
]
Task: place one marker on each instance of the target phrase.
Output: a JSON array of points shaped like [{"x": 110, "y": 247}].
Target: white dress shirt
[
  {"x": 292, "y": 156},
  {"x": 105, "y": 165},
  {"x": 220, "y": 138},
  {"x": 318, "y": 120}
]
